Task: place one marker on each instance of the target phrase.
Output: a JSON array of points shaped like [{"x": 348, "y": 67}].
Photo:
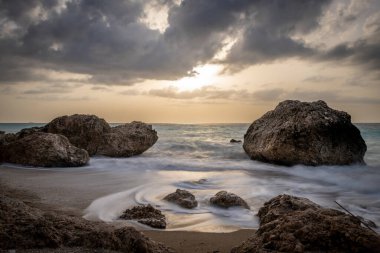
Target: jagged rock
[
  {"x": 227, "y": 199},
  {"x": 235, "y": 141},
  {"x": 305, "y": 133},
  {"x": 147, "y": 215},
  {"x": 43, "y": 149},
  {"x": 182, "y": 198},
  {"x": 127, "y": 140},
  {"x": 98, "y": 138},
  {"x": 83, "y": 131},
  {"x": 27, "y": 131},
  {"x": 26, "y": 227},
  {"x": 292, "y": 224}
]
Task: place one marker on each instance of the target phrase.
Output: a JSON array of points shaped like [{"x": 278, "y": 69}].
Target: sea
[{"x": 201, "y": 159}]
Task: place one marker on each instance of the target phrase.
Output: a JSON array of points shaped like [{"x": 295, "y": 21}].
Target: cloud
[{"x": 112, "y": 43}]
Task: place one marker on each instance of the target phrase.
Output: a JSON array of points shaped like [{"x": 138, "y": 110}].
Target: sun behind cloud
[{"x": 203, "y": 75}]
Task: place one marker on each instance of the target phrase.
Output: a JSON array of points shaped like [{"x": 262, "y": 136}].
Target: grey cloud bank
[{"x": 107, "y": 40}]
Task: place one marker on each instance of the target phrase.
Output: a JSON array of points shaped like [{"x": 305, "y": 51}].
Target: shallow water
[{"x": 200, "y": 158}]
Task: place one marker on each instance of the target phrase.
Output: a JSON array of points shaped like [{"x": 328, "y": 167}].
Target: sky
[{"x": 189, "y": 61}]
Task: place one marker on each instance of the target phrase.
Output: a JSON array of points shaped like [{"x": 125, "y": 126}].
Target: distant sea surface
[{"x": 201, "y": 159}]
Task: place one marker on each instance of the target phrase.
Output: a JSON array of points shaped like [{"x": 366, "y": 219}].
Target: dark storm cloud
[
  {"x": 107, "y": 40},
  {"x": 268, "y": 36}
]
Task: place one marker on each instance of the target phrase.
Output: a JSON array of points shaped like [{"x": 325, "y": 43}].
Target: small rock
[
  {"x": 227, "y": 199},
  {"x": 182, "y": 198},
  {"x": 147, "y": 215},
  {"x": 2, "y": 132},
  {"x": 235, "y": 141}
]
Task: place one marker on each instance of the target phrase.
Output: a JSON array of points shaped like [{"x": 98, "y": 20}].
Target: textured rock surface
[
  {"x": 43, "y": 149},
  {"x": 305, "y": 133},
  {"x": 147, "y": 215},
  {"x": 26, "y": 227},
  {"x": 182, "y": 198},
  {"x": 291, "y": 224},
  {"x": 227, "y": 199},
  {"x": 83, "y": 131},
  {"x": 98, "y": 138},
  {"x": 127, "y": 140}
]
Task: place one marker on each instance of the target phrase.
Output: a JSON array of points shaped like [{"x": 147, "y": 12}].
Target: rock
[
  {"x": 292, "y": 224},
  {"x": 27, "y": 131},
  {"x": 43, "y": 149},
  {"x": 98, "y": 138},
  {"x": 147, "y": 215},
  {"x": 182, "y": 198},
  {"x": 305, "y": 133},
  {"x": 235, "y": 141},
  {"x": 227, "y": 199},
  {"x": 26, "y": 227},
  {"x": 2, "y": 132},
  {"x": 127, "y": 140},
  {"x": 83, "y": 131},
  {"x": 367, "y": 222}
]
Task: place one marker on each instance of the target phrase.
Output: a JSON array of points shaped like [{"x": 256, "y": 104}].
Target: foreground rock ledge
[
  {"x": 292, "y": 224},
  {"x": 42, "y": 149},
  {"x": 26, "y": 227},
  {"x": 305, "y": 133}
]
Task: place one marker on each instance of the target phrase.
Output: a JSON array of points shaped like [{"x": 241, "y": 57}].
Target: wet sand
[{"x": 60, "y": 191}]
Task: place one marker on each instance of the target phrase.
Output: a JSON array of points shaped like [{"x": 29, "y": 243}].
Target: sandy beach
[{"x": 60, "y": 192}]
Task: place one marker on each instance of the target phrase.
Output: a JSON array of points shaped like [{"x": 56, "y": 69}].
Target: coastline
[{"x": 31, "y": 187}]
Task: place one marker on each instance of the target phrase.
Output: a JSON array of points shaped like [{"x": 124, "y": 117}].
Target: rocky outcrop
[
  {"x": 43, "y": 149},
  {"x": 26, "y": 227},
  {"x": 127, "y": 140},
  {"x": 182, "y": 198},
  {"x": 227, "y": 199},
  {"x": 235, "y": 141},
  {"x": 292, "y": 224},
  {"x": 304, "y": 133},
  {"x": 147, "y": 215},
  {"x": 98, "y": 138},
  {"x": 83, "y": 131}
]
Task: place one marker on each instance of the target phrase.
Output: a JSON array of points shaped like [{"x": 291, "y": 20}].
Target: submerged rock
[
  {"x": 227, "y": 199},
  {"x": 147, "y": 215},
  {"x": 235, "y": 141},
  {"x": 83, "y": 131},
  {"x": 292, "y": 224},
  {"x": 127, "y": 140},
  {"x": 182, "y": 198},
  {"x": 305, "y": 133},
  {"x": 43, "y": 149}
]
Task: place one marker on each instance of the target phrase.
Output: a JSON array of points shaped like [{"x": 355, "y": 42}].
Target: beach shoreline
[{"x": 31, "y": 187}]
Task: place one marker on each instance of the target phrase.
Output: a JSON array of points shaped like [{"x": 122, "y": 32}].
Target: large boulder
[
  {"x": 182, "y": 198},
  {"x": 43, "y": 149},
  {"x": 228, "y": 199},
  {"x": 147, "y": 215},
  {"x": 127, "y": 140},
  {"x": 83, "y": 131},
  {"x": 292, "y": 224},
  {"x": 305, "y": 133}
]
